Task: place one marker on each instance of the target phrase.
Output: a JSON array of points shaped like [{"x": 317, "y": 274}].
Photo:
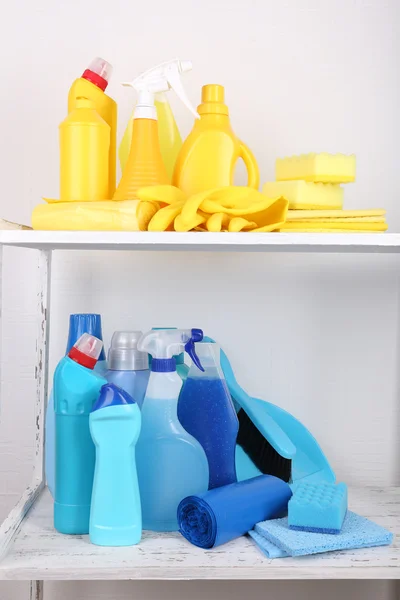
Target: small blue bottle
[
  {"x": 79, "y": 324},
  {"x": 76, "y": 388},
  {"x": 128, "y": 368},
  {"x": 171, "y": 463},
  {"x": 115, "y": 515}
]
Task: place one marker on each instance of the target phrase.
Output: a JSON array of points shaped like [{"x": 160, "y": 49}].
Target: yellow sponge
[
  {"x": 317, "y": 168},
  {"x": 303, "y": 195}
]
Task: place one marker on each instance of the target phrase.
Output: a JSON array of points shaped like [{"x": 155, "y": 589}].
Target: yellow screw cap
[{"x": 212, "y": 98}]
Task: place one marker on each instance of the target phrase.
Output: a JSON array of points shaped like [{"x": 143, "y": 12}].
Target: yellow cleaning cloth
[
  {"x": 326, "y": 230},
  {"x": 322, "y": 215},
  {"x": 106, "y": 215},
  {"x": 306, "y": 195},
  {"x": 315, "y": 225},
  {"x": 231, "y": 208},
  {"x": 336, "y": 220},
  {"x": 323, "y": 168}
]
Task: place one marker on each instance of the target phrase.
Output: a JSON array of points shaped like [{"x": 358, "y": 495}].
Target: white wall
[{"x": 317, "y": 335}]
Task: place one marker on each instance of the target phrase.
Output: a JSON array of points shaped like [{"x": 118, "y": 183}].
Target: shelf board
[
  {"x": 224, "y": 242},
  {"x": 39, "y": 552}
]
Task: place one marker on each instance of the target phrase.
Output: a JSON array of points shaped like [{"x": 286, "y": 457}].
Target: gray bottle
[{"x": 128, "y": 368}]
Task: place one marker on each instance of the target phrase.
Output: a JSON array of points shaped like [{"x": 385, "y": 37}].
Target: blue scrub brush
[{"x": 272, "y": 441}]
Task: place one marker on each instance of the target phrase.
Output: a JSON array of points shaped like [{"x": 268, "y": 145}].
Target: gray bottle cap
[{"x": 123, "y": 354}]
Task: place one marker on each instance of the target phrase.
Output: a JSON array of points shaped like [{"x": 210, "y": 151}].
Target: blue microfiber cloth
[
  {"x": 318, "y": 507},
  {"x": 357, "y": 532},
  {"x": 269, "y": 550}
]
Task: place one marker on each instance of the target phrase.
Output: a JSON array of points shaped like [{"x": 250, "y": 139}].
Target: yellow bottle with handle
[
  {"x": 209, "y": 154},
  {"x": 168, "y": 136},
  {"x": 92, "y": 85},
  {"x": 84, "y": 154}
]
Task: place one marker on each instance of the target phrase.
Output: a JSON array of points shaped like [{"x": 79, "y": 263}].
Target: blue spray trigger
[{"x": 197, "y": 336}]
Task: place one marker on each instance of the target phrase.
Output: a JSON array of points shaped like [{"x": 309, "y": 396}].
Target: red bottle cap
[
  {"x": 86, "y": 351},
  {"x": 98, "y": 73}
]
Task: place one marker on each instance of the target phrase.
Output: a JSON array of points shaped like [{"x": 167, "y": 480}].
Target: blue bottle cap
[
  {"x": 112, "y": 395},
  {"x": 163, "y": 365},
  {"x": 81, "y": 323}
]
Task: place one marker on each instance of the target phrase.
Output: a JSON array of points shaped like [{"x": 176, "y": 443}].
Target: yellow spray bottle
[
  {"x": 145, "y": 165},
  {"x": 168, "y": 136}
]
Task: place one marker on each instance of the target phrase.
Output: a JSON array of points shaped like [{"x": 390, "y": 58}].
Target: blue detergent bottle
[
  {"x": 115, "y": 514},
  {"x": 207, "y": 412},
  {"x": 171, "y": 464},
  {"x": 79, "y": 324},
  {"x": 128, "y": 368},
  {"x": 76, "y": 388}
]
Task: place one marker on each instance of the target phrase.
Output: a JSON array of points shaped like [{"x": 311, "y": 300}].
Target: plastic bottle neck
[{"x": 163, "y": 365}]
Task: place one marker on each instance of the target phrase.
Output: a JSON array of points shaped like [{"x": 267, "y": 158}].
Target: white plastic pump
[{"x": 161, "y": 78}]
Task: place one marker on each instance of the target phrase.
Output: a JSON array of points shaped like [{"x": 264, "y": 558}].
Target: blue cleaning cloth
[
  {"x": 318, "y": 507},
  {"x": 357, "y": 532},
  {"x": 267, "y": 548},
  {"x": 227, "y": 512}
]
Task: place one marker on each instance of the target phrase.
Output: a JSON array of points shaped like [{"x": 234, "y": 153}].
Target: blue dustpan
[{"x": 290, "y": 438}]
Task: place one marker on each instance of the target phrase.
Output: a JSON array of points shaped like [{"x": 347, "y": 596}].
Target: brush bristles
[{"x": 260, "y": 451}]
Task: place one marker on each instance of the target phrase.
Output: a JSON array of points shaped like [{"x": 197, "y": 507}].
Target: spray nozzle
[
  {"x": 197, "y": 336},
  {"x": 163, "y": 344},
  {"x": 161, "y": 78}
]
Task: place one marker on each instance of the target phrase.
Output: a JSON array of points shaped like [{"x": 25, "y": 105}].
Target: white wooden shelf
[
  {"x": 29, "y": 546},
  {"x": 39, "y": 552},
  {"x": 224, "y": 242}
]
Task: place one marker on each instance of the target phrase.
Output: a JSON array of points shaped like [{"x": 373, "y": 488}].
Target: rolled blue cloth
[{"x": 227, "y": 512}]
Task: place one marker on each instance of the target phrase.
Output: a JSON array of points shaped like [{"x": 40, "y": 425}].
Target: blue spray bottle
[
  {"x": 207, "y": 412},
  {"x": 76, "y": 388},
  {"x": 171, "y": 463},
  {"x": 115, "y": 514},
  {"x": 79, "y": 324},
  {"x": 128, "y": 367}
]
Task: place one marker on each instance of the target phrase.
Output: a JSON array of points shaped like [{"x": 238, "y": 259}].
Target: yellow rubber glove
[
  {"x": 267, "y": 213},
  {"x": 167, "y": 194},
  {"x": 230, "y": 208},
  {"x": 164, "y": 219}
]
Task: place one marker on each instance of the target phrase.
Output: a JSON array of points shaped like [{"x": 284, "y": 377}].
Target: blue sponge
[
  {"x": 357, "y": 532},
  {"x": 320, "y": 508}
]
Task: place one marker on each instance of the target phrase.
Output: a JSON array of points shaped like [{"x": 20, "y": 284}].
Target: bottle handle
[{"x": 249, "y": 160}]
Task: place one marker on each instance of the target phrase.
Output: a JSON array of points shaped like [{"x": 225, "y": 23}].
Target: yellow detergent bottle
[
  {"x": 145, "y": 165},
  {"x": 209, "y": 154},
  {"x": 84, "y": 154},
  {"x": 168, "y": 136},
  {"x": 92, "y": 85}
]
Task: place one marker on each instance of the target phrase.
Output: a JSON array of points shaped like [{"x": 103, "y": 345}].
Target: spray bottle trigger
[
  {"x": 174, "y": 81},
  {"x": 189, "y": 348},
  {"x": 197, "y": 336}
]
